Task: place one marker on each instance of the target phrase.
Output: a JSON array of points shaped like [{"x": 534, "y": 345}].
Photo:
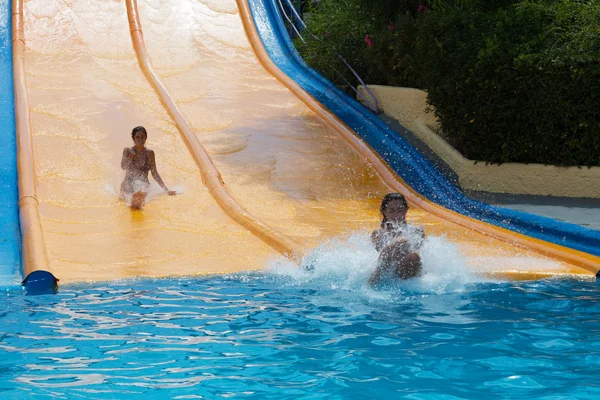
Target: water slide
[
  {"x": 270, "y": 160},
  {"x": 10, "y": 239}
]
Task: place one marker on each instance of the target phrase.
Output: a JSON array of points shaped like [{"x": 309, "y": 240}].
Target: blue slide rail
[
  {"x": 10, "y": 234},
  {"x": 414, "y": 169}
]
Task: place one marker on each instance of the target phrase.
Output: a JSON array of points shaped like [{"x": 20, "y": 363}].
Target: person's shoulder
[
  {"x": 376, "y": 232},
  {"x": 376, "y": 237},
  {"x": 150, "y": 152}
]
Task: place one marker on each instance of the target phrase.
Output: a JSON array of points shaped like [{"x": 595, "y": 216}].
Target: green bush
[
  {"x": 348, "y": 27},
  {"x": 521, "y": 84},
  {"x": 510, "y": 80}
]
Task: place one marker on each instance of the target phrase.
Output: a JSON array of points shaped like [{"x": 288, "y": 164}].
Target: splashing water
[
  {"x": 155, "y": 191},
  {"x": 346, "y": 264},
  {"x": 320, "y": 334}
]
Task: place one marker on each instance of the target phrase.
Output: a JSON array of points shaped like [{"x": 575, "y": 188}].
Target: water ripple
[{"x": 275, "y": 336}]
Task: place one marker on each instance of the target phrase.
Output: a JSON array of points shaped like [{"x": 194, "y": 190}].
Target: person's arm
[
  {"x": 127, "y": 158},
  {"x": 156, "y": 175},
  {"x": 383, "y": 265},
  {"x": 419, "y": 237},
  {"x": 376, "y": 276},
  {"x": 377, "y": 239}
]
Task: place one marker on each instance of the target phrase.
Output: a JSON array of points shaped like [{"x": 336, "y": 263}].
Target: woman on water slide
[
  {"x": 137, "y": 161},
  {"x": 397, "y": 242}
]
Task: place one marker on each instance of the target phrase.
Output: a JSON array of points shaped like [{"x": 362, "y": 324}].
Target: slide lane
[
  {"x": 419, "y": 179},
  {"x": 280, "y": 159},
  {"x": 86, "y": 93},
  {"x": 10, "y": 238},
  {"x": 210, "y": 175}
]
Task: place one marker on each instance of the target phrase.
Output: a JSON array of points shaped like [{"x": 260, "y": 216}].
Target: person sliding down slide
[
  {"x": 137, "y": 161},
  {"x": 397, "y": 242}
]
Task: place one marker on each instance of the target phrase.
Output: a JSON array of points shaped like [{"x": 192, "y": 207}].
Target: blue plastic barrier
[{"x": 10, "y": 236}]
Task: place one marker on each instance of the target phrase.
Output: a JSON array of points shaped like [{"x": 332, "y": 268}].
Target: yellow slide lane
[
  {"x": 86, "y": 93},
  {"x": 278, "y": 158},
  {"x": 210, "y": 175}
]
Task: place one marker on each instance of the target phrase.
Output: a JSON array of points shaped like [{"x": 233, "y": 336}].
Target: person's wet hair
[
  {"x": 384, "y": 203},
  {"x": 138, "y": 129}
]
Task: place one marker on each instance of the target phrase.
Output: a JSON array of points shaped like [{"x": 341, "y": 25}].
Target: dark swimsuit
[{"x": 137, "y": 174}]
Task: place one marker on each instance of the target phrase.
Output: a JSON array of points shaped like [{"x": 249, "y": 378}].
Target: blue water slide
[
  {"x": 10, "y": 236},
  {"x": 416, "y": 170}
]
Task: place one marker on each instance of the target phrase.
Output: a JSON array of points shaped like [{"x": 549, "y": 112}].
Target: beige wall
[{"x": 408, "y": 106}]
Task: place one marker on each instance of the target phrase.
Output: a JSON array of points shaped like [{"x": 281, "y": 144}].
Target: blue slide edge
[
  {"x": 417, "y": 171},
  {"x": 10, "y": 234}
]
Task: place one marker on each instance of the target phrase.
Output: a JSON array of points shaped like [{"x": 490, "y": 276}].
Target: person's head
[
  {"x": 139, "y": 135},
  {"x": 393, "y": 208}
]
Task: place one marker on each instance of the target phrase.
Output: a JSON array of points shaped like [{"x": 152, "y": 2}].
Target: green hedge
[
  {"x": 343, "y": 26},
  {"x": 510, "y": 81},
  {"x": 521, "y": 84}
]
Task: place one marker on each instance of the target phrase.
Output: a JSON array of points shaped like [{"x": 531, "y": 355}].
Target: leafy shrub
[
  {"x": 521, "y": 84},
  {"x": 377, "y": 39},
  {"x": 510, "y": 80}
]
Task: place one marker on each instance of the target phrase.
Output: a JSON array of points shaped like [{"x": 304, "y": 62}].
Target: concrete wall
[{"x": 408, "y": 106}]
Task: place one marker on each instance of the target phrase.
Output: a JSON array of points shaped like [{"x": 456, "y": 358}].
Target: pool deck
[{"x": 580, "y": 211}]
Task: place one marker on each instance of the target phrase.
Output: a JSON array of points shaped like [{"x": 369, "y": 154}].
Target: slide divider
[
  {"x": 210, "y": 175},
  {"x": 35, "y": 265}
]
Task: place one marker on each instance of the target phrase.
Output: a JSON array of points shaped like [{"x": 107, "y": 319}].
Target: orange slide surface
[{"x": 280, "y": 162}]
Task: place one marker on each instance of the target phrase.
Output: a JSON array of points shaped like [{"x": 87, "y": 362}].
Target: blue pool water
[{"x": 288, "y": 333}]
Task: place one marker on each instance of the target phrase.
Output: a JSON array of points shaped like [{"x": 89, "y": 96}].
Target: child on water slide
[
  {"x": 396, "y": 242},
  {"x": 137, "y": 161}
]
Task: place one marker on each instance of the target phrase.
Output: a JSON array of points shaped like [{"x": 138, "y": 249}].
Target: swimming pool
[{"x": 290, "y": 333}]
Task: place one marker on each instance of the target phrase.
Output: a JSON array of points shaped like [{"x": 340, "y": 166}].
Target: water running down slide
[
  {"x": 282, "y": 162},
  {"x": 86, "y": 94},
  {"x": 195, "y": 21}
]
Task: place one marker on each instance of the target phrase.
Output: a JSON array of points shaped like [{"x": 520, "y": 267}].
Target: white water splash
[
  {"x": 346, "y": 264},
  {"x": 155, "y": 191}
]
